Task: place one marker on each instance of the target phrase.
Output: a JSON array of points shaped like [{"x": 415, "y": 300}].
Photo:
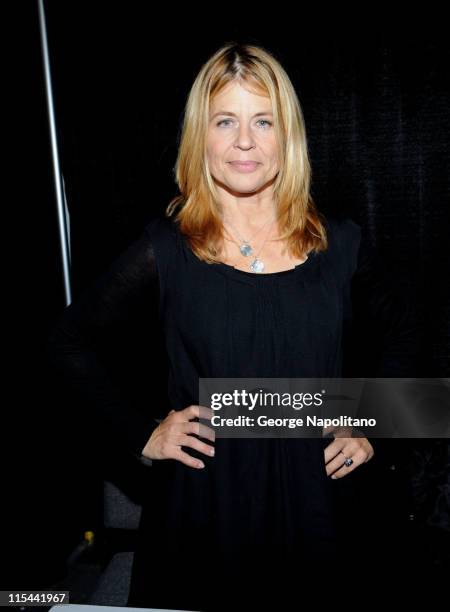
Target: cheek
[
  {"x": 274, "y": 149},
  {"x": 215, "y": 149},
  {"x": 275, "y": 157},
  {"x": 270, "y": 148},
  {"x": 211, "y": 154}
]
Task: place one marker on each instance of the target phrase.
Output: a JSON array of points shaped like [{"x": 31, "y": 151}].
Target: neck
[
  {"x": 248, "y": 215},
  {"x": 247, "y": 210}
]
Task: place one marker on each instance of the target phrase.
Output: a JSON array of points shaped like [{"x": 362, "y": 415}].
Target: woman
[{"x": 253, "y": 282}]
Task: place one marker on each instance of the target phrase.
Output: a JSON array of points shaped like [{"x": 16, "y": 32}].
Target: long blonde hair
[{"x": 197, "y": 208}]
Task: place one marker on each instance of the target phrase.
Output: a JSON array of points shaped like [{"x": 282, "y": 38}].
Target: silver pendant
[
  {"x": 246, "y": 250},
  {"x": 257, "y": 265}
]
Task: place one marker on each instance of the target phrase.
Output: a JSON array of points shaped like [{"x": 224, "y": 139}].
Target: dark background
[{"x": 376, "y": 107}]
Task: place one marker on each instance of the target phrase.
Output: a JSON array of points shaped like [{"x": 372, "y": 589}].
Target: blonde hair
[{"x": 197, "y": 208}]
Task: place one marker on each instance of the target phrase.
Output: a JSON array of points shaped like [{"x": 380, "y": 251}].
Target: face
[{"x": 241, "y": 129}]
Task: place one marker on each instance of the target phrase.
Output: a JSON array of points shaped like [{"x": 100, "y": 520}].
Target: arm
[
  {"x": 385, "y": 331},
  {"x": 75, "y": 341},
  {"x": 384, "y": 326}
]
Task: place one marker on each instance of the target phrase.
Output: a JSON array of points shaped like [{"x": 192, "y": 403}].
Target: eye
[{"x": 266, "y": 121}]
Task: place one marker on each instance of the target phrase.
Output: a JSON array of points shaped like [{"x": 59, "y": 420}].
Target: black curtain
[{"x": 377, "y": 113}]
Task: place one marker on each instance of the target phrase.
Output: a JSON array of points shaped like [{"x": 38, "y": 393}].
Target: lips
[{"x": 244, "y": 166}]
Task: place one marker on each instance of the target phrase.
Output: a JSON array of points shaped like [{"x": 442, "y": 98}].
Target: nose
[{"x": 244, "y": 139}]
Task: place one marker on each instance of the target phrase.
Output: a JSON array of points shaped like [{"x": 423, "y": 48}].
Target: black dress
[{"x": 261, "y": 522}]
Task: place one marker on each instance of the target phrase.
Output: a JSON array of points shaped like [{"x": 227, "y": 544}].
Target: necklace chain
[
  {"x": 255, "y": 234},
  {"x": 246, "y": 249}
]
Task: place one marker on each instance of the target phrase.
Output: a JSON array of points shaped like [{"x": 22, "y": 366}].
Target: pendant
[
  {"x": 257, "y": 265},
  {"x": 246, "y": 250}
]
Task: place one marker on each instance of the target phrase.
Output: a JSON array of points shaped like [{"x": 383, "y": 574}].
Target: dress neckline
[
  {"x": 226, "y": 268},
  {"x": 293, "y": 270}
]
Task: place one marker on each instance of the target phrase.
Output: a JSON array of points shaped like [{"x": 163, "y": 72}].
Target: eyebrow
[{"x": 228, "y": 113}]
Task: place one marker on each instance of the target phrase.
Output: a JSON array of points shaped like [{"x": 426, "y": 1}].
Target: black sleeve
[
  {"x": 382, "y": 330},
  {"x": 75, "y": 341},
  {"x": 385, "y": 329}
]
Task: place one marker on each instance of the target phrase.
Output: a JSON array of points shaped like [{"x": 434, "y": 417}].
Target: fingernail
[
  {"x": 201, "y": 464},
  {"x": 334, "y": 477},
  {"x": 211, "y": 452}
]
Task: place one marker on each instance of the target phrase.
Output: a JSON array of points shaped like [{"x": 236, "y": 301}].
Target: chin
[{"x": 247, "y": 189}]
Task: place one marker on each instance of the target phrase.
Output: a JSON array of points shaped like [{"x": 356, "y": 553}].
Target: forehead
[{"x": 234, "y": 95}]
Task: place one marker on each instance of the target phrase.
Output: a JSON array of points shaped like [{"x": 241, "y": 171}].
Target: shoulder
[
  {"x": 163, "y": 235},
  {"x": 160, "y": 225},
  {"x": 341, "y": 230},
  {"x": 344, "y": 239}
]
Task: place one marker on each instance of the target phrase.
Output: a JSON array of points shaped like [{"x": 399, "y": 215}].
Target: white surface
[{"x": 82, "y": 608}]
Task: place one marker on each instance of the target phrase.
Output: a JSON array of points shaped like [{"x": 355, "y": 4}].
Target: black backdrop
[{"x": 376, "y": 107}]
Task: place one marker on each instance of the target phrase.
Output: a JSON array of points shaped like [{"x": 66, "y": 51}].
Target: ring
[{"x": 348, "y": 461}]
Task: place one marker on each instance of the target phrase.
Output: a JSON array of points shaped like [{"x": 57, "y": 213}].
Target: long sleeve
[
  {"x": 384, "y": 324},
  {"x": 74, "y": 347},
  {"x": 383, "y": 330}
]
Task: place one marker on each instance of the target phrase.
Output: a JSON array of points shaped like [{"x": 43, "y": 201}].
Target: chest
[
  {"x": 232, "y": 309},
  {"x": 274, "y": 257}
]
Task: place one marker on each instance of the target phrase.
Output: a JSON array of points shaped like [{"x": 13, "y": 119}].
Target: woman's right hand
[{"x": 176, "y": 431}]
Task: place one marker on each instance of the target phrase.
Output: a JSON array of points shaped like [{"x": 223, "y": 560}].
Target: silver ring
[{"x": 348, "y": 462}]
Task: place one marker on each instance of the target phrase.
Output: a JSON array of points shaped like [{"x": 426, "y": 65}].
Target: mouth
[{"x": 244, "y": 166}]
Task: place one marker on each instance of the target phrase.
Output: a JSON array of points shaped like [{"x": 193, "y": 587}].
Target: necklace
[
  {"x": 245, "y": 246},
  {"x": 257, "y": 264}
]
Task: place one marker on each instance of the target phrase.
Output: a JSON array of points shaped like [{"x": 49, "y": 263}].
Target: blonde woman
[{"x": 253, "y": 281}]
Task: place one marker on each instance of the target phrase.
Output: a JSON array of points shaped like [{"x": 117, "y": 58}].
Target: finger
[
  {"x": 200, "y": 430},
  {"x": 185, "y": 458},
  {"x": 337, "y": 462},
  {"x": 190, "y": 412},
  {"x": 334, "y": 448},
  {"x": 370, "y": 455},
  {"x": 195, "y": 411},
  {"x": 344, "y": 470},
  {"x": 205, "y": 413},
  {"x": 334, "y": 465},
  {"x": 202, "y": 447},
  {"x": 346, "y": 446}
]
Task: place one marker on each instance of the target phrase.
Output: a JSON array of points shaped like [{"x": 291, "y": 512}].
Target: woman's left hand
[{"x": 359, "y": 450}]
